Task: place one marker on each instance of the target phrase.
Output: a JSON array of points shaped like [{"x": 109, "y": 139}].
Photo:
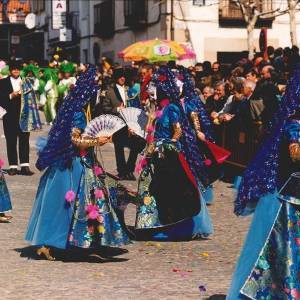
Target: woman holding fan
[
  {"x": 171, "y": 204},
  {"x": 72, "y": 206}
]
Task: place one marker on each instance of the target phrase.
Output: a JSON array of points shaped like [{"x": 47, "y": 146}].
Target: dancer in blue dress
[
  {"x": 5, "y": 203},
  {"x": 168, "y": 192},
  {"x": 269, "y": 264},
  {"x": 72, "y": 205},
  {"x": 199, "y": 120}
]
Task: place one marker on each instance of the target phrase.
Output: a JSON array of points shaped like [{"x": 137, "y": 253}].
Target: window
[
  {"x": 135, "y": 12},
  {"x": 104, "y": 19}
]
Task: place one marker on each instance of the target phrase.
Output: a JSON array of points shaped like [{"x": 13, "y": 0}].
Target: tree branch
[{"x": 269, "y": 12}]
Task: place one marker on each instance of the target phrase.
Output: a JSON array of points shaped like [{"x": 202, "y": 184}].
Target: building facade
[
  {"x": 12, "y": 27},
  {"x": 86, "y": 30},
  {"x": 216, "y": 29},
  {"x": 96, "y": 28}
]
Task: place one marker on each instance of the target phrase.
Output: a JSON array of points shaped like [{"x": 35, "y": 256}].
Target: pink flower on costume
[
  {"x": 93, "y": 215},
  {"x": 207, "y": 162},
  {"x": 150, "y": 139},
  {"x": 150, "y": 129},
  {"x": 158, "y": 114},
  {"x": 297, "y": 240},
  {"x": 141, "y": 165},
  {"x": 98, "y": 170},
  {"x": 164, "y": 102},
  {"x": 92, "y": 211},
  {"x": 99, "y": 194},
  {"x": 1, "y": 163},
  {"x": 70, "y": 196},
  {"x": 295, "y": 293}
]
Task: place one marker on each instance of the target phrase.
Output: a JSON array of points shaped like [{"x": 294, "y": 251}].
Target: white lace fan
[
  {"x": 136, "y": 119},
  {"x": 2, "y": 112},
  {"x": 104, "y": 125}
]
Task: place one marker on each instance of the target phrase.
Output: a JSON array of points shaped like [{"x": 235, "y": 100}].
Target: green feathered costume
[{"x": 49, "y": 93}]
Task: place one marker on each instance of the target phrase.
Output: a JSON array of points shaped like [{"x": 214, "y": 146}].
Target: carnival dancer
[
  {"x": 208, "y": 171},
  {"x": 68, "y": 81},
  {"x": 72, "y": 206},
  {"x": 50, "y": 94},
  {"x": 10, "y": 100},
  {"x": 269, "y": 264},
  {"x": 30, "y": 118},
  {"x": 168, "y": 193},
  {"x": 5, "y": 202}
]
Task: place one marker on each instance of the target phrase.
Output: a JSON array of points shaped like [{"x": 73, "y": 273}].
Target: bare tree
[
  {"x": 293, "y": 7},
  {"x": 252, "y": 12}
]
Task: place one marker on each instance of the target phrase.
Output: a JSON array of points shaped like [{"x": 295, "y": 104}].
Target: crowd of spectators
[{"x": 243, "y": 95}]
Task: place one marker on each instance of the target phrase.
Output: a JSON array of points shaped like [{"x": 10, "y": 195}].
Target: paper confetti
[{"x": 202, "y": 288}]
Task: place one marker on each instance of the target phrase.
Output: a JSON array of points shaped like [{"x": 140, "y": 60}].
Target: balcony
[
  {"x": 230, "y": 14},
  {"x": 14, "y": 11}
]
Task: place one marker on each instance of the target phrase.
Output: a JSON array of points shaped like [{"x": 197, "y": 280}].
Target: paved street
[{"x": 187, "y": 270}]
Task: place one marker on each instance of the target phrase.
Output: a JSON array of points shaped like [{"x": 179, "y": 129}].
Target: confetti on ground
[
  {"x": 204, "y": 254},
  {"x": 158, "y": 245},
  {"x": 202, "y": 288}
]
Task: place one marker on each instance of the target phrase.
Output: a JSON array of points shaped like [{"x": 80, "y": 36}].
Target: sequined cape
[
  {"x": 262, "y": 175},
  {"x": 59, "y": 145}
]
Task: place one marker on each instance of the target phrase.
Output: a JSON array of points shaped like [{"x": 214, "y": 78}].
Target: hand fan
[
  {"x": 2, "y": 112},
  {"x": 104, "y": 125},
  {"x": 136, "y": 119}
]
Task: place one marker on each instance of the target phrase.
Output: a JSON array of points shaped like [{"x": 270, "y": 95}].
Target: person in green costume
[{"x": 50, "y": 94}]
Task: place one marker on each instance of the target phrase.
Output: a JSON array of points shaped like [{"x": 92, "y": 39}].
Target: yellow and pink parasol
[{"x": 156, "y": 50}]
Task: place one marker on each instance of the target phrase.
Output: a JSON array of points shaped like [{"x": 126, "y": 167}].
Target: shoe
[
  {"x": 122, "y": 176},
  {"x": 5, "y": 219},
  {"x": 26, "y": 171},
  {"x": 130, "y": 177},
  {"x": 45, "y": 253},
  {"x": 12, "y": 172}
]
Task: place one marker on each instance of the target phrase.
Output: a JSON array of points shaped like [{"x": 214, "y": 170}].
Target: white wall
[{"x": 207, "y": 37}]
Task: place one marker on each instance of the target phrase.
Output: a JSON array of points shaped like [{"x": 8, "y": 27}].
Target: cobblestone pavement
[{"x": 148, "y": 271}]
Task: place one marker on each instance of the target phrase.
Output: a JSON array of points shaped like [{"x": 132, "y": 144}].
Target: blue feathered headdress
[
  {"x": 165, "y": 82},
  {"x": 262, "y": 175},
  {"x": 59, "y": 148},
  {"x": 190, "y": 94}
]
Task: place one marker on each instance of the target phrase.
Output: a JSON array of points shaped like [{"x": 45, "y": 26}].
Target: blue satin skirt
[
  {"x": 51, "y": 215},
  {"x": 5, "y": 203},
  {"x": 269, "y": 262}
]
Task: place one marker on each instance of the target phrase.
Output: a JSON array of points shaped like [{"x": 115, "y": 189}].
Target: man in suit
[
  {"x": 10, "y": 100},
  {"x": 115, "y": 100}
]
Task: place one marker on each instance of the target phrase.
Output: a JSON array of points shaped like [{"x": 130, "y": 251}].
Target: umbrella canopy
[{"x": 155, "y": 50}]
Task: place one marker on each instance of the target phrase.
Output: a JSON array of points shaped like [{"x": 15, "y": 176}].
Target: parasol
[{"x": 156, "y": 50}]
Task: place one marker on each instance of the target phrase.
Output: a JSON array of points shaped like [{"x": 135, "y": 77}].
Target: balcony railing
[{"x": 14, "y": 11}]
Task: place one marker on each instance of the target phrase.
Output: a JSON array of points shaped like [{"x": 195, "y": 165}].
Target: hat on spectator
[{"x": 118, "y": 73}]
